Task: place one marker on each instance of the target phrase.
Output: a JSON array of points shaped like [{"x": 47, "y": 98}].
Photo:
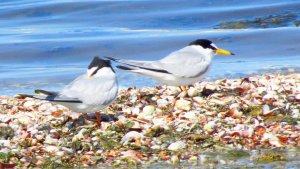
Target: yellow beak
[{"x": 223, "y": 52}]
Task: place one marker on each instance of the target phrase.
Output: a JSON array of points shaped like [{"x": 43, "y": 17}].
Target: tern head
[
  {"x": 99, "y": 67},
  {"x": 209, "y": 46}
]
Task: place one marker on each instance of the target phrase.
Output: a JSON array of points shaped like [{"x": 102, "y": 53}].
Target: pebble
[{"x": 176, "y": 146}]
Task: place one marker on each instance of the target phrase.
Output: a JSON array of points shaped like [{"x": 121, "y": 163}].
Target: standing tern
[
  {"x": 89, "y": 93},
  {"x": 180, "y": 68}
]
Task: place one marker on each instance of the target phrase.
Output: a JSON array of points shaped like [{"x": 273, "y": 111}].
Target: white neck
[
  {"x": 208, "y": 53},
  {"x": 103, "y": 72}
]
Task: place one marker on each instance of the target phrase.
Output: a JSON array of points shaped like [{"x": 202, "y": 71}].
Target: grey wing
[
  {"x": 148, "y": 65},
  {"x": 91, "y": 90},
  {"x": 187, "y": 62},
  {"x": 57, "y": 98},
  {"x": 50, "y": 96}
]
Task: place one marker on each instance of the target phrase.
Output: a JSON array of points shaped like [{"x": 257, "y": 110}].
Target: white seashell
[
  {"x": 295, "y": 113},
  {"x": 132, "y": 135},
  {"x": 162, "y": 103},
  {"x": 210, "y": 126},
  {"x": 156, "y": 147},
  {"x": 178, "y": 145},
  {"x": 192, "y": 92},
  {"x": 190, "y": 115},
  {"x": 29, "y": 103},
  {"x": 79, "y": 135},
  {"x": 199, "y": 100},
  {"x": 182, "y": 94},
  {"x": 50, "y": 140},
  {"x": 174, "y": 159},
  {"x": 25, "y": 120},
  {"x": 218, "y": 102},
  {"x": 273, "y": 140},
  {"x": 60, "y": 153},
  {"x": 171, "y": 90},
  {"x": 147, "y": 112},
  {"x": 260, "y": 90},
  {"x": 210, "y": 87},
  {"x": 5, "y": 143},
  {"x": 149, "y": 109},
  {"x": 237, "y": 114},
  {"x": 135, "y": 111},
  {"x": 126, "y": 110},
  {"x": 68, "y": 150},
  {"x": 183, "y": 104},
  {"x": 51, "y": 148},
  {"x": 298, "y": 96},
  {"x": 234, "y": 105},
  {"x": 159, "y": 121},
  {"x": 266, "y": 110}
]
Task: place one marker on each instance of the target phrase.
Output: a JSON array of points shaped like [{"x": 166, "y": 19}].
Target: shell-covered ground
[{"x": 159, "y": 125}]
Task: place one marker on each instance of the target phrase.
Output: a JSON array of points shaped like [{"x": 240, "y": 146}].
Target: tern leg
[{"x": 98, "y": 119}]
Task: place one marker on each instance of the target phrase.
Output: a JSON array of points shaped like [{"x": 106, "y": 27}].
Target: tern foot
[{"x": 98, "y": 119}]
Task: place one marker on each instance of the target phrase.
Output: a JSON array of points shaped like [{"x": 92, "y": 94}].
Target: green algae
[
  {"x": 271, "y": 21},
  {"x": 236, "y": 154},
  {"x": 270, "y": 157},
  {"x": 6, "y": 133},
  {"x": 253, "y": 111},
  {"x": 4, "y": 157},
  {"x": 51, "y": 164}
]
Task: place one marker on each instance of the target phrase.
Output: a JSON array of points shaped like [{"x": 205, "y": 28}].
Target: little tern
[
  {"x": 89, "y": 93},
  {"x": 180, "y": 68}
]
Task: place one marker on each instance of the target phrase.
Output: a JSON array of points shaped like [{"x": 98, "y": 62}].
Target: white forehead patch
[
  {"x": 213, "y": 45},
  {"x": 91, "y": 71}
]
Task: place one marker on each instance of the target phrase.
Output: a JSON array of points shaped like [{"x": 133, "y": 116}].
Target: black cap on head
[
  {"x": 100, "y": 63},
  {"x": 205, "y": 43}
]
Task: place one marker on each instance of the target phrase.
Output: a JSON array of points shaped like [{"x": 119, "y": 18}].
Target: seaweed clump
[
  {"x": 271, "y": 21},
  {"x": 270, "y": 157}
]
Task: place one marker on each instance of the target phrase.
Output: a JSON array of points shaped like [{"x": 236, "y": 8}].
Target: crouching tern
[
  {"x": 89, "y": 93},
  {"x": 180, "y": 68}
]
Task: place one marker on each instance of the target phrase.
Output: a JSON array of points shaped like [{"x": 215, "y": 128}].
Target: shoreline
[{"x": 157, "y": 124}]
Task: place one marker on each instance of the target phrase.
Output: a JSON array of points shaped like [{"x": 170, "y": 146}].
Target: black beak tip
[{"x": 232, "y": 54}]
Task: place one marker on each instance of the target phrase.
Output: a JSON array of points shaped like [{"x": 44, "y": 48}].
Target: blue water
[{"x": 46, "y": 44}]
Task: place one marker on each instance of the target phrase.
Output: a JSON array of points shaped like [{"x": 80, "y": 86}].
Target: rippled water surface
[{"x": 46, "y": 44}]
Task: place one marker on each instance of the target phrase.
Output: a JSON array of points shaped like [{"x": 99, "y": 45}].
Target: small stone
[
  {"x": 183, "y": 104},
  {"x": 193, "y": 160},
  {"x": 209, "y": 127},
  {"x": 199, "y": 100},
  {"x": 193, "y": 92},
  {"x": 162, "y": 103},
  {"x": 131, "y": 136},
  {"x": 298, "y": 96},
  {"x": 25, "y": 120},
  {"x": 51, "y": 148},
  {"x": 147, "y": 112},
  {"x": 174, "y": 159},
  {"x": 29, "y": 104},
  {"x": 190, "y": 115},
  {"x": 176, "y": 146},
  {"x": 295, "y": 113},
  {"x": 50, "y": 140},
  {"x": 60, "y": 153}
]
